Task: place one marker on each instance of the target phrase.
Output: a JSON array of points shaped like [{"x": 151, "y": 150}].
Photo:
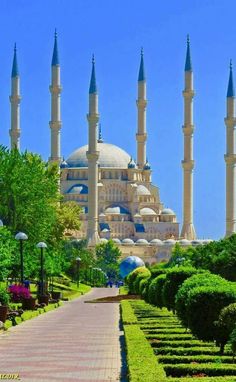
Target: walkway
[{"x": 76, "y": 342}]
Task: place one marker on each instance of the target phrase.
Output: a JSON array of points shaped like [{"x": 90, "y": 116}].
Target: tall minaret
[
  {"x": 92, "y": 156},
  {"x": 55, "y": 90},
  {"x": 230, "y": 158},
  {"x": 15, "y": 99},
  {"x": 141, "y": 135},
  {"x": 188, "y": 230}
]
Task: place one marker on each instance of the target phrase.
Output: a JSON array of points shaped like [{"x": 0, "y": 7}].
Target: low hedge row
[
  {"x": 176, "y": 359},
  {"x": 210, "y": 370},
  {"x": 206, "y": 379},
  {"x": 127, "y": 313},
  {"x": 168, "y": 337},
  {"x": 180, "y": 343},
  {"x": 185, "y": 351}
]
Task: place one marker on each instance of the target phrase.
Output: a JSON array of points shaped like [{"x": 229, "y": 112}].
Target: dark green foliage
[
  {"x": 155, "y": 290},
  {"x": 232, "y": 341},
  {"x": 186, "y": 351},
  {"x": 143, "y": 272},
  {"x": 225, "y": 325},
  {"x": 4, "y": 296},
  {"x": 204, "y": 306},
  {"x": 143, "y": 286},
  {"x": 176, "y": 359},
  {"x": 174, "y": 279},
  {"x": 181, "y": 299},
  {"x": 108, "y": 255},
  {"x": 207, "y": 369}
]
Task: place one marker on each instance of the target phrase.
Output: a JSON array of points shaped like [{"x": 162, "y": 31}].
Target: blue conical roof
[
  {"x": 141, "y": 75},
  {"x": 188, "y": 62},
  {"x": 93, "y": 84},
  {"x": 230, "y": 91},
  {"x": 55, "y": 56},
  {"x": 15, "y": 69}
]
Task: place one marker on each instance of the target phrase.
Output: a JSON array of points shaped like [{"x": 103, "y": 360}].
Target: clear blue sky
[{"x": 115, "y": 31}]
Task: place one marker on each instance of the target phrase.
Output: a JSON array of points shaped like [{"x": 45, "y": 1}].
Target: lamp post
[
  {"x": 78, "y": 261},
  {"x": 21, "y": 236},
  {"x": 41, "y": 245}
]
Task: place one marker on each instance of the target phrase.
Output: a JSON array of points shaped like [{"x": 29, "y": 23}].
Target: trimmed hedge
[
  {"x": 155, "y": 290},
  {"x": 180, "y": 343},
  {"x": 127, "y": 313},
  {"x": 137, "y": 274},
  {"x": 176, "y": 359},
  {"x": 210, "y": 370},
  {"x": 186, "y": 351}
]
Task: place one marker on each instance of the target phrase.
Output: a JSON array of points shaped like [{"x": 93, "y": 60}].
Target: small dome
[
  {"x": 169, "y": 242},
  {"x": 116, "y": 210},
  {"x": 103, "y": 240},
  {"x": 128, "y": 241},
  {"x": 142, "y": 190},
  {"x": 206, "y": 241},
  {"x": 64, "y": 164},
  {"x": 156, "y": 242},
  {"x": 78, "y": 189},
  {"x": 184, "y": 242},
  {"x": 167, "y": 211},
  {"x": 147, "y": 166},
  {"x": 196, "y": 242},
  {"x": 116, "y": 240},
  {"x": 131, "y": 163},
  {"x": 147, "y": 211},
  {"x": 105, "y": 230},
  {"x": 141, "y": 242}
]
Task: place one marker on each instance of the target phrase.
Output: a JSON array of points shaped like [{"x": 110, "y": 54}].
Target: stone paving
[{"x": 76, "y": 342}]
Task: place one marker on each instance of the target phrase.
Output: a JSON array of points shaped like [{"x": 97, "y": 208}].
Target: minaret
[
  {"x": 230, "y": 158},
  {"x": 15, "y": 99},
  {"x": 188, "y": 231},
  {"x": 141, "y": 135},
  {"x": 92, "y": 156},
  {"x": 55, "y": 90}
]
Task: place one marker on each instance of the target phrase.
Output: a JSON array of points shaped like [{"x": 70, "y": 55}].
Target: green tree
[{"x": 107, "y": 255}]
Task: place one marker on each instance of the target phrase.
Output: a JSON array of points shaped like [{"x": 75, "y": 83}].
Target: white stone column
[
  {"x": 55, "y": 123},
  {"x": 141, "y": 136},
  {"x": 15, "y": 99},
  {"x": 188, "y": 230},
  {"x": 93, "y": 155},
  {"x": 230, "y": 159}
]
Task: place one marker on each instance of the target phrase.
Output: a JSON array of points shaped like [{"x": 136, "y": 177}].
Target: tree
[
  {"x": 107, "y": 255},
  {"x": 225, "y": 325},
  {"x": 78, "y": 248},
  {"x": 7, "y": 253}
]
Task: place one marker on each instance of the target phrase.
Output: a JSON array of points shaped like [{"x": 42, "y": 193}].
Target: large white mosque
[{"x": 116, "y": 193}]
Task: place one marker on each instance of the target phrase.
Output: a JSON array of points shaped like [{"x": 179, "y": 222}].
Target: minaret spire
[
  {"x": 15, "y": 99},
  {"x": 188, "y": 231},
  {"x": 141, "y": 102},
  {"x": 55, "y": 90},
  {"x": 230, "y": 157},
  {"x": 92, "y": 156}
]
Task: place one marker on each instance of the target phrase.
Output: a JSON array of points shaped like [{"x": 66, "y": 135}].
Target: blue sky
[{"x": 114, "y": 31}]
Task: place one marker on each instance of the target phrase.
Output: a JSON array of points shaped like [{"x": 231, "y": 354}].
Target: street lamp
[
  {"x": 21, "y": 236},
  {"x": 78, "y": 261},
  {"x": 41, "y": 245}
]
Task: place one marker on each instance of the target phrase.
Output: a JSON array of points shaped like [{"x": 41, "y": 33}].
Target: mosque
[{"x": 116, "y": 193}]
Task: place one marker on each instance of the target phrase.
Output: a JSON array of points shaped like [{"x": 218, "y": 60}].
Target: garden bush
[
  {"x": 207, "y": 369},
  {"x": 141, "y": 276},
  {"x": 133, "y": 275},
  {"x": 155, "y": 290},
  {"x": 181, "y": 299},
  {"x": 4, "y": 296},
  {"x": 225, "y": 325},
  {"x": 204, "y": 305},
  {"x": 143, "y": 286},
  {"x": 176, "y": 359},
  {"x": 174, "y": 279}
]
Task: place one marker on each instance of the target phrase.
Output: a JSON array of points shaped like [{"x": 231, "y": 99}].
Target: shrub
[
  {"x": 141, "y": 276},
  {"x": 204, "y": 305},
  {"x": 4, "y": 296},
  {"x": 143, "y": 285},
  {"x": 225, "y": 325},
  {"x": 128, "y": 316},
  {"x": 181, "y": 298},
  {"x": 174, "y": 279},
  {"x": 232, "y": 341},
  {"x": 196, "y": 369},
  {"x": 155, "y": 290},
  {"x": 18, "y": 292},
  {"x": 132, "y": 277}
]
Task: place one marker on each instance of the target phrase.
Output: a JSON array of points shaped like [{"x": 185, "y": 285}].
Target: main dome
[{"x": 109, "y": 156}]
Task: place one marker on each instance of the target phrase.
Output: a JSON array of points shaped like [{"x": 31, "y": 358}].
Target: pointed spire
[
  {"x": 15, "y": 70},
  {"x": 93, "y": 85},
  {"x": 230, "y": 91},
  {"x": 100, "y": 140},
  {"x": 55, "y": 56},
  {"x": 188, "y": 62},
  {"x": 141, "y": 75}
]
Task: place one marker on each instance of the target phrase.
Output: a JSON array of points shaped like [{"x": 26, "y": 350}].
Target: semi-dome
[
  {"x": 109, "y": 156},
  {"x": 169, "y": 242},
  {"x": 156, "y": 242},
  {"x": 184, "y": 242},
  {"x": 141, "y": 242},
  {"x": 167, "y": 211},
  {"x": 147, "y": 211},
  {"x": 116, "y": 210},
  {"x": 116, "y": 241},
  {"x": 142, "y": 190},
  {"x": 196, "y": 242}
]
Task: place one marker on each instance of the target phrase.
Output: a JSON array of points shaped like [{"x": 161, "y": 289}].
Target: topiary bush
[
  {"x": 133, "y": 275},
  {"x": 181, "y": 298},
  {"x": 143, "y": 286},
  {"x": 155, "y": 290},
  {"x": 225, "y": 325},
  {"x": 174, "y": 279},
  {"x": 204, "y": 305},
  {"x": 141, "y": 276}
]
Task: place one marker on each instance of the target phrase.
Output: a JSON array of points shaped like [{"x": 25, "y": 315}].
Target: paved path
[{"x": 76, "y": 342}]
